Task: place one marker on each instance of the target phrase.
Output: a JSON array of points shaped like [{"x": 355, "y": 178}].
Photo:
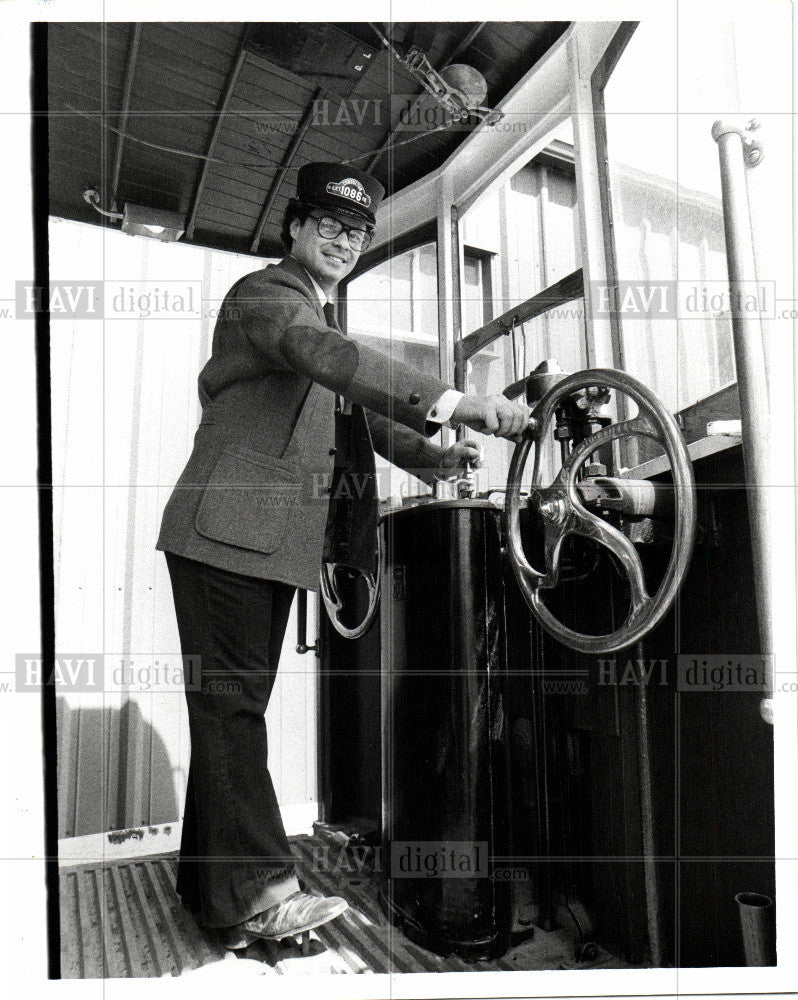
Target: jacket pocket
[{"x": 247, "y": 500}]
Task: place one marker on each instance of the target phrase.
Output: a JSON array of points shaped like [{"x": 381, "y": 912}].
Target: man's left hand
[{"x": 458, "y": 457}]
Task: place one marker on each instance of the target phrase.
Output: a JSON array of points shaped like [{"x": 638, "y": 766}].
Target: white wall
[{"x": 125, "y": 409}]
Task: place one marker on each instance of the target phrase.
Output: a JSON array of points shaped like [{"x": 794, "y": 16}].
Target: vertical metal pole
[
  {"x": 737, "y": 149},
  {"x": 600, "y": 348},
  {"x": 650, "y": 870},
  {"x": 445, "y": 279},
  {"x": 447, "y": 262},
  {"x": 457, "y": 308},
  {"x": 457, "y": 319}
]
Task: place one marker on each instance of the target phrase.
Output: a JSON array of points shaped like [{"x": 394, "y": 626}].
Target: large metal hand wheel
[
  {"x": 334, "y": 604},
  {"x": 563, "y": 512}
]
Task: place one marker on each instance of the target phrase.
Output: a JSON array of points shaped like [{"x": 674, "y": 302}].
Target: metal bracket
[
  {"x": 454, "y": 100},
  {"x": 508, "y": 323},
  {"x": 753, "y": 152}
]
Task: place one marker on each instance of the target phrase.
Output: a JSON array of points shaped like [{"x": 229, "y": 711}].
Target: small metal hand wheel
[
  {"x": 564, "y": 514},
  {"x": 334, "y": 604}
]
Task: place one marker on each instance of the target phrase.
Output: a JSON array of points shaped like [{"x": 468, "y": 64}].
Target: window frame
[
  {"x": 485, "y": 262},
  {"x": 414, "y": 239}
]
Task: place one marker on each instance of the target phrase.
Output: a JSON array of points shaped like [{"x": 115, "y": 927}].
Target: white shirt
[{"x": 444, "y": 406}]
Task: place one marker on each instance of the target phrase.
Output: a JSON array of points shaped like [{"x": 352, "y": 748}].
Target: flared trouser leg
[{"x": 235, "y": 859}]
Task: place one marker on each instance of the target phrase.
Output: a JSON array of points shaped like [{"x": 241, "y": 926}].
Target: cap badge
[{"x": 350, "y": 188}]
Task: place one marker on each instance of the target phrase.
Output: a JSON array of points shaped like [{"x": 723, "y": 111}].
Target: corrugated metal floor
[{"x": 124, "y": 919}]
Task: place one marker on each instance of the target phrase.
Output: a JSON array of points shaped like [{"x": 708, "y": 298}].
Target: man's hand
[
  {"x": 458, "y": 457},
  {"x": 493, "y": 415}
]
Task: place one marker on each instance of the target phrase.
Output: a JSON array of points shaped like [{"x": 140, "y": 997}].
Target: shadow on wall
[{"x": 113, "y": 770}]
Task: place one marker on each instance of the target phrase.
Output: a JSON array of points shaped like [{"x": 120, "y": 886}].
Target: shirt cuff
[{"x": 442, "y": 409}]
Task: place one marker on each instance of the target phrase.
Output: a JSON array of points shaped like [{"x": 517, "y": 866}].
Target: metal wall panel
[{"x": 125, "y": 409}]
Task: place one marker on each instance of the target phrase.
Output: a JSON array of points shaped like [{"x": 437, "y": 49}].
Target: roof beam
[
  {"x": 467, "y": 40},
  {"x": 130, "y": 73},
  {"x": 229, "y": 90},
  {"x": 285, "y": 164}
]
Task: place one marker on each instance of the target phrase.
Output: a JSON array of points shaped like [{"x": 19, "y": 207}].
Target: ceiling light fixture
[
  {"x": 139, "y": 220},
  {"x": 158, "y": 224}
]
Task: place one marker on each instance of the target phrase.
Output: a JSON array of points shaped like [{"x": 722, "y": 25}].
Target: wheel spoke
[
  {"x": 553, "y": 536},
  {"x": 582, "y": 522},
  {"x": 591, "y": 526}
]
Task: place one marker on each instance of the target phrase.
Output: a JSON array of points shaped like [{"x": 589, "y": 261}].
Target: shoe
[{"x": 296, "y": 914}]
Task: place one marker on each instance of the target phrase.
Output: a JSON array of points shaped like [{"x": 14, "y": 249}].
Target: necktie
[
  {"x": 329, "y": 315},
  {"x": 341, "y": 405},
  {"x": 352, "y": 525}
]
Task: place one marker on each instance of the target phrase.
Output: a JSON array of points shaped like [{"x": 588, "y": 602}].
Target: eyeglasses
[{"x": 329, "y": 228}]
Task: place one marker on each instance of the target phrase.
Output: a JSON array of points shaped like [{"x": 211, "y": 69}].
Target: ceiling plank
[
  {"x": 229, "y": 89},
  {"x": 287, "y": 160},
  {"x": 466, "y": 42}
]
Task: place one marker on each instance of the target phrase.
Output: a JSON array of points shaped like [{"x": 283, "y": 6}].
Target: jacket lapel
[
  {"x": 296, "y": 270},
  {"x": 351, "y": 534}
]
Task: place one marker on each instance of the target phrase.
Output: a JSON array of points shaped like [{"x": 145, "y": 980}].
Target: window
[
  {"x": 667, "y": 216},
  {"x": 526, "y": 230},
  {"x": 394, "y": 308},
  {"x": 477, "y": 290}
]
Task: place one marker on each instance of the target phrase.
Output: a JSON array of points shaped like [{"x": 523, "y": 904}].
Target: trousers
[{"x": 235, "y": 859}]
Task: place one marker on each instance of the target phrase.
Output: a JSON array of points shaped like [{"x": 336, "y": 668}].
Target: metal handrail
[{"x": 565, "y": 290}]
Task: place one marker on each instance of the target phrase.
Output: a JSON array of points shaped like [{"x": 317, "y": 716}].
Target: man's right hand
[{"x": 495, "y": 415}]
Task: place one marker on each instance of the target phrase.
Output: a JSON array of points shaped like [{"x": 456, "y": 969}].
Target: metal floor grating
[{"x": 123, "y": 919}]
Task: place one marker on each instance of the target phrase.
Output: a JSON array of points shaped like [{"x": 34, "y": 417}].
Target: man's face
[{"x": 327, "y": 260}]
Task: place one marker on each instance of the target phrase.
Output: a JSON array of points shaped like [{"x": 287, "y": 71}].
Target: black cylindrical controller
[{"x": 445, "y": 754}]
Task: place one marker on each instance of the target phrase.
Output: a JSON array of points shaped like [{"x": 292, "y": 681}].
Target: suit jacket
[{"x": 254, "y": 496}]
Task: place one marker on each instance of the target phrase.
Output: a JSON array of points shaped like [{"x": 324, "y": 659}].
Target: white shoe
[{"x": 295, "y": 914}]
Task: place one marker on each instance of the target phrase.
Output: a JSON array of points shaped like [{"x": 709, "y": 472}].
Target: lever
[
  {"x": 302, "y": 622},
  {"x": 457, "y": 486}
]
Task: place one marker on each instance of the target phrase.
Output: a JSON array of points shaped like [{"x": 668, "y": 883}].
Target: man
[{"x": 246, "y": 525}]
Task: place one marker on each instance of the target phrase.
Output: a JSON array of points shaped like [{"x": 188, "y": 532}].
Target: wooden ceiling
[{"x": 212, "y": 120}]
